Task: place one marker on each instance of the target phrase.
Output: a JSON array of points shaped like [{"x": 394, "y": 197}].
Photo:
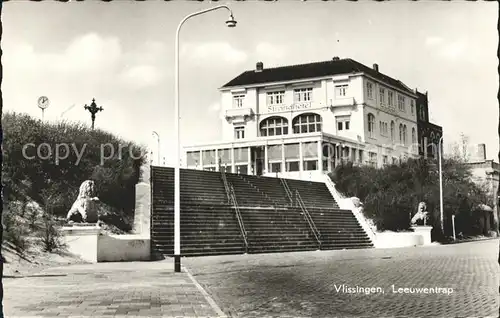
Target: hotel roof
[{"x": 311, "y": 70}]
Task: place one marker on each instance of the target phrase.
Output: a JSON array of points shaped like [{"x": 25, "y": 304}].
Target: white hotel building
[{"x": 301, "y": 120}]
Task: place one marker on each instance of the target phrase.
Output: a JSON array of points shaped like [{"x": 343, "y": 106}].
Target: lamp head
[{"x": 231, "y": 23}]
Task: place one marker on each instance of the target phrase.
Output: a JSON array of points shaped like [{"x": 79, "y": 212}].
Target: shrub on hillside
[
  {"x": 93, "y": 154},
  {"x": 391, "y": 194}
]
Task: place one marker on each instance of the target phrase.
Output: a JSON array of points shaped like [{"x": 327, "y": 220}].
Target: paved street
[
  {"x": 306, "y": 284},
  {"x": 147, "y": 289}
]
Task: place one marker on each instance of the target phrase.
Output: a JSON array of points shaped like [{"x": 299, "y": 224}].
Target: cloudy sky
[{"x": 122, "y": 53}]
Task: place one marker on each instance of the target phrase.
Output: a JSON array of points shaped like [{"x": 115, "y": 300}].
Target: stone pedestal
[
  {"x": 142, "y": 211},
  {"x": 424, "y": 232},
  {"x": 82, "y": 240}
]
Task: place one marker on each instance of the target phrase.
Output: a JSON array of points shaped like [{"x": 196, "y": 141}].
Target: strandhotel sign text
[{"x": 284, "y": 108}]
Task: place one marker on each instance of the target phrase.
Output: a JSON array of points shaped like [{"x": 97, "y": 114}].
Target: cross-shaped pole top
[{"x": 93, "y": 109}]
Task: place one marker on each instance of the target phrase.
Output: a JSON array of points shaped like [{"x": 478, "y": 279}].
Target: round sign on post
[{"x": 43, "y": 102}]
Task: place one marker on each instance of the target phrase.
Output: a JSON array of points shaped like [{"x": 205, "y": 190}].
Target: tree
[{"x": 391, "y": 194}]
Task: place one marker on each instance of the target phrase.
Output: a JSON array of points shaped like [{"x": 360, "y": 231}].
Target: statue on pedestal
[
  {"x": 84, "y": 210},
  {"x": 421, "y": 215}
]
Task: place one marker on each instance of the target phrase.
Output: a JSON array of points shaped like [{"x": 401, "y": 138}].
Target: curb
[{"x": 208, "y": 298}]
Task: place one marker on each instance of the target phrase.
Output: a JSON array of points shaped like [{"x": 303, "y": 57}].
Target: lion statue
[
  {"x": 421, "y": 214},
  {"x": 84, "y": 209}
]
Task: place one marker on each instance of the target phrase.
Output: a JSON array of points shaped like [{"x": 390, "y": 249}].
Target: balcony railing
[
  {"x": 343, "y": 101},
  {"x": 239, "y": 113}
]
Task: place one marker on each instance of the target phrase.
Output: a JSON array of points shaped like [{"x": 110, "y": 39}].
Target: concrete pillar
[
  {"x": 201, "y": 159},
  {"x": 142, "y": 212},
  {"x": 266, "y": 160},
  {"x": 330, "y": 156},
  {"x": 301, "y": 158},
  {"x": 233, "y": 169},
  {"x": 216, "y": 159},
  {"x": 250, "y": 160},
  {"x": 283, "y": 161},
  {"x": 320, "y": 156}
]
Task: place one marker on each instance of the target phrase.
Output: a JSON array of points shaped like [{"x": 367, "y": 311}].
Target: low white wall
[
  {"x": 118, "y": 248},
  {"x": 398, "y": 239},
  {"x": 93, "y": 246},
  {"x": 82, "y": 241}
]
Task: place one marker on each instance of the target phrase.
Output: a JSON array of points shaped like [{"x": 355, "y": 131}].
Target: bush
[
  {"x": 15, "y": 228},
  {"x": 115, "y": 177},
  {"x": 391, "y": 194}
]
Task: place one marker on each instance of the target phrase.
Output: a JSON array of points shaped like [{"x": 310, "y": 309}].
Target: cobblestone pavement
[
  {"x": 308, "y": 284},
  {"x": 148, "y": 289}
]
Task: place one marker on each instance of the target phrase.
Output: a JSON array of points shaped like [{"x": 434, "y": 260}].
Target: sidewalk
[{"x": 137, "y": 289}]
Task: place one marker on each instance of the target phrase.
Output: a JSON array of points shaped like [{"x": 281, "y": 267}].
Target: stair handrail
[
  {"x": 238, "y": 217},
  {"x": 224, "y": 180},
  {"x": 308, "y": 218},
  {"x": 287, "y": 190}
]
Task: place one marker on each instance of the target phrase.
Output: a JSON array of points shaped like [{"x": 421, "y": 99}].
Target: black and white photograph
[{"x": 289, "y": 158}]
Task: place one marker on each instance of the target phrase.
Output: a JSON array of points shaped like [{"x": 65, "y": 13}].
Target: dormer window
[
  {"x": 275, "y": 98},
  {"x": 238, "y": 101},
  {"x": 303, "y": 94}
]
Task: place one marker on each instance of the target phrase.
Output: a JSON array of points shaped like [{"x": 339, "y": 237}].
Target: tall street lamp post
[
  {"x": 177, "y": 221},
  {"x": 441, "y": 183}
]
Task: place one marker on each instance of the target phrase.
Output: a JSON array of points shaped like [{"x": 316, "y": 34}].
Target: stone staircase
[{"x": 273, "y": 219}]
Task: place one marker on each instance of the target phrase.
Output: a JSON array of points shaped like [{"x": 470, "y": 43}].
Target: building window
[
  {"x": 412, "y": 106},
  {"x": 275, "y": 167},
  {"x": 401, "y": 103},
  {"x": 382, "y": 96},
  {"x": 413, "y": 136},
  {"x": 302, "y": 95},
  {"x": 275, "y": 98},
  {"x": 383, "y": 128},
  {"x": 341, "y": 90},
  {"x": 292, "y": 166},
  {"x": 238, "y": 101},
  {"x": 400, "y": 133},
  {"x": 404, "y": 135},
  {"x": 306, "y": 123},
  {"x": 274, "y": 126},
  {"x": 369, "y": 90},
  {"x": 239, "y": 132},
  {"x": 241, "y": 169},
  {"x": 390, "y": 98},
  {"x": 392, "y": 130},
  {"x": 343, "y": 123},
  {"x": 371, "y": 125},
  {"x": 310, "y": 165},
  {"x": 372, "y": 158}
]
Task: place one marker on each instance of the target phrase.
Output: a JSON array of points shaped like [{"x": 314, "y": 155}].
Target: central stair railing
[
  {"x": 231, "y": 198},
  {"x": 287, "y": 190},
  {"x": 308, "y": 218},
  {"x": 224, "y": 180},
  {"x": 239, "y": 218}
]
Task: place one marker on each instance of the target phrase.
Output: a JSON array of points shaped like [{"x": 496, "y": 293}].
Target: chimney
[
  {"x": 375, "y": 67},
  {"x": 481, "y": 152},
  {"x": 259, "y": 67},
  {"x": 335, "y": 58}
]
